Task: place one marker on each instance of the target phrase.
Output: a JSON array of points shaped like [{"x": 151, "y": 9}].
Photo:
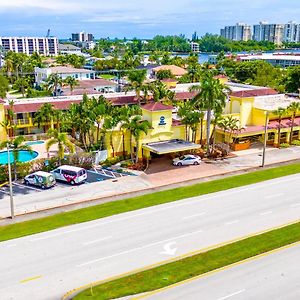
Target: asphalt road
[
  {"x": 275, "y": 276},
  {"x": 46, "y": 265}
]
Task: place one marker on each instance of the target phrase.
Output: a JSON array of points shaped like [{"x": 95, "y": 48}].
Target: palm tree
[
  {"x": 279, "y": 112},
  {"x": 53, "y": 82},
  {"x": 136, "y": 82},
  {"x": 161, "y": 93},
  {"x": 45, "y": 115},
  {"x": 16, "y": 145},
  {"x": 211, "y": 96},
  {"x": 71, "y": 82},
  {"x": 136, "y": 127},
  {"x": 62, "y": 141},
  {"x": 293, "y": 108}
]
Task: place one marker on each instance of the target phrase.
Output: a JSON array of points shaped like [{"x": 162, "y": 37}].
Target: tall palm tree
[
  {"x": 71, "y": 82},
  {"x": 211, "y": 96},
  {"x": 53, "y": 82},
  {"x": 294, "y": 109},
  {"x": 45, "y": 115},
  {"x": 136, "y": 127},
  {"x": 16, "y": 145},
  {"x": 161, "y": 93},
  {"x": 136, "y": 80},
  {"x": 62, "y": 141},
  {"x": 280, "y": 113}
]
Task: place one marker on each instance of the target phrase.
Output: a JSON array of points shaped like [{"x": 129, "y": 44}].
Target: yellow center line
[
  {"x": 1, "y": 185},
  {"x": 30, "y": 279}
]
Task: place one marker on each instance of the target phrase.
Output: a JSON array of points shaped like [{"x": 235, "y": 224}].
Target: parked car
[
  {"x": 70, "y": 174},
  {"x": 40, "y": 179},
  {"x": 188, "y": 159}
]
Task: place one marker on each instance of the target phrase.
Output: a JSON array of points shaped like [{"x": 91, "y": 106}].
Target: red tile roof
[
  {"x": 156, "y": 106},
  {"x": 176, "y": 122},
  {"x": 2, "y": 101},
  {"x": 254, "y": 93},
  {"x": 185, "y": 95}
]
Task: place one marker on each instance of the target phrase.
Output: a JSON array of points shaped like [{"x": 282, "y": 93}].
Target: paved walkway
[{"x": 159, "y": 176}]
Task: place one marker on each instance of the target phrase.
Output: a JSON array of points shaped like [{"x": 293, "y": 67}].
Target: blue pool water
[
  {"x": 24, "y": 156},
  {"x": 34, "y": 143}
]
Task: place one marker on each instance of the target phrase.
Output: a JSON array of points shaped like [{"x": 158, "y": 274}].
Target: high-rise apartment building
[
  {"x": 268, "y": 32},
  {"x": 28, "y": 45},
  {"x": 292, "y": 32},
  {"x": 238, "y": 32},
  {"x": 82, "y": 37}
]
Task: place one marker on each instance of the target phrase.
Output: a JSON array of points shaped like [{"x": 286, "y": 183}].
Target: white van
[{"x": 70, "y": 174}]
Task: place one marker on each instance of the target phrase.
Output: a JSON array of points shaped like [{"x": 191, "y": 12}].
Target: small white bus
[{"x": 70, "y": 174}]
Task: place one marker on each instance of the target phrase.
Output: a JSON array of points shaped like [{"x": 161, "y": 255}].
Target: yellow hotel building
[{"x": 251, "y": 105}]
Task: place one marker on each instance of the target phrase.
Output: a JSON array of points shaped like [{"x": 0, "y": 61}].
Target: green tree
[
  {"x": 164, "y": 74},
  {"x": 280, "y": 113},
  {"x": 4, "y": 86},
  {"x": 293, "y": 109},
  {"x": 71, "y": 82},
  {"x": 161, "y": 93},
  {"x": 16, "y": 145},
  {"x": 61, "y": 140},
  {"x": 292, "y": 80},
  {"x": 136, "y": 80},
  {"x": 45, "y": 115},
  {"x": 53, "y": 82},
  {"x": 211, "y": 96}
]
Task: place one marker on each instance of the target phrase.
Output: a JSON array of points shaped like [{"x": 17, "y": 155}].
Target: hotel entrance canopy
[{"x": 170, "y": 146}]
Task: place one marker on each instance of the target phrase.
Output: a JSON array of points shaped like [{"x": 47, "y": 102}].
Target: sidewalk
[{"x": 109, "y": 190}]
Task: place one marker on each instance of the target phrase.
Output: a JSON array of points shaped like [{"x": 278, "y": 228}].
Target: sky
[{"x": 137, "y": 18}]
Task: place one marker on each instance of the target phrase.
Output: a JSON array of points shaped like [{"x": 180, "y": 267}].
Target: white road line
[
  {"x": 138, "y": 248},
  {"x": 193, "y": 216},
  {"x": 97, "y": 241},
  {"x": 295, "y": 204},
  {"x": 274, "y": 196},
  {"x": 232, "y": 222},
  {"x": 266, "y": 213},
  {"x": 233, "y": 294},
  {"x": 26, "y": 186},
  {"x": 11, "y": 245}
]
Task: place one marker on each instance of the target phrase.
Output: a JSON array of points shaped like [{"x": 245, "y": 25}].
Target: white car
[
  {"x": 70, "y": 174},
  {"x": 186, "y": 160}
]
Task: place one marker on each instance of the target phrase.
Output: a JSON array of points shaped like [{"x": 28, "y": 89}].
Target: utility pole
[
  {"x": 12, "y": 209},
  {"x": 265, "y": 140}
]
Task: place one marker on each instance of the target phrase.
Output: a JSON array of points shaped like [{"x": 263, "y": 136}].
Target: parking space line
[{"x": 26, "y": 186}]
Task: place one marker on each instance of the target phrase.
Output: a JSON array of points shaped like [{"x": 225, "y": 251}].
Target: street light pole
[
  {"x": 12, "y": 209},
  {"x": 265, "y": 140}
]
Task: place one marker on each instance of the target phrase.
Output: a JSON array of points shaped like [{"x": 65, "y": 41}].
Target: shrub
[
  {"x": 3, "y": 174},
  {"x": 284, "y": 145},
  {"x": 296, "y": 143}
]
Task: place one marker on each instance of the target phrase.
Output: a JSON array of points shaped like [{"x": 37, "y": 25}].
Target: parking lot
[{"x": 19, "y": 188}]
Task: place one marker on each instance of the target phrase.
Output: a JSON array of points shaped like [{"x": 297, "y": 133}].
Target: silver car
[{"x": 186, "y": 160}]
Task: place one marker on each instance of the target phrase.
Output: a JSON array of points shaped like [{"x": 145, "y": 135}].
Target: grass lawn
[
  {"x": 177, "y": 271},
  {"x": 107, "y": 76},
  {"x": 116, "y": 207}
]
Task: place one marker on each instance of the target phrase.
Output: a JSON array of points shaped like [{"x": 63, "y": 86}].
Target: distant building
[
  {"x": 69, "y": 49},
  {"x": 82, "y": 37},
  {"x": 41, "y": 74},
  {"x": 195, "y": 47},
  {"x": 268, "y": 32},
  {"x": 291, "y": 32},
  {"x": 29, "y": 45},
  {"x": 237, "y": 32}
]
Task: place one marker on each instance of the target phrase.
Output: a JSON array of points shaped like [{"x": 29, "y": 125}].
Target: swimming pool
[
  {"x": 30, "y": 143},
  {"x": 24, "y": 156}
]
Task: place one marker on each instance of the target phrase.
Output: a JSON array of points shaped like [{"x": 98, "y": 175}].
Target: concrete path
[
  {"x": 46, "y": 265},
  {"x": 161, "y": 177},
  {"x": 275, "y": 276}
]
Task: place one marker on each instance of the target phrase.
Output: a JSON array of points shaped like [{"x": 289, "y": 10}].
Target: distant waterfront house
[
  {"x": 176, "y": 71},
  {"x": 41, "y": 74},
  {"x": 69, "y": 49}
]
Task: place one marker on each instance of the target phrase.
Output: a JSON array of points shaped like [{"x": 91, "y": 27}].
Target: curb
[{"x": 149, "y": 190}]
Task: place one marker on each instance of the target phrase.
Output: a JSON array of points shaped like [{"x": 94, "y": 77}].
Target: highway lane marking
[
  {"x": 274, "y": 196},
  {"x": 266, "y": 213},
  {"x": 12, "y": 245},
  {"x": 138, "y": 248},
  {"x": 97, "y": 241},
  {"x": 26, "y": 186},
  {"x": 233, "y": 294},
  {"x": 232, "y": 222},
  {"x": 194, "y": 216},
  {"x": 31, "y": 279}
]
